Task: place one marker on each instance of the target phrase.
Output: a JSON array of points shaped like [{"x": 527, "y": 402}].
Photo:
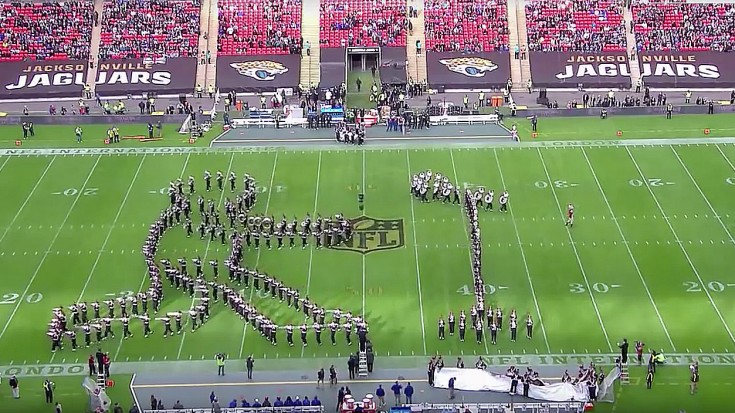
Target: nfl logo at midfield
[{"x": 374, "y": 234}]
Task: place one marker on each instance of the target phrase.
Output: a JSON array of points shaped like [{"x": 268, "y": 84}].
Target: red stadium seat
[{"x": 363, "y": 23}]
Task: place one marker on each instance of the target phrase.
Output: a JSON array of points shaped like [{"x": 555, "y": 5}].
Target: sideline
[
  {"x": 425, "y": 143},
  {"x": 80, "y": 368}
]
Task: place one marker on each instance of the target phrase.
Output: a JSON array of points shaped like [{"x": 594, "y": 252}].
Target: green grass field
[{"x": 649, "y": 258}]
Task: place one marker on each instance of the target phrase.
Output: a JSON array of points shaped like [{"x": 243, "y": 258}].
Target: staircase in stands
[
  {"x": 94, "y": 47},
  {"x": 635, "y": 69},
  {"x": 310, "y": 24},
  {"x": 416, "y": 62},
  {"x": 520, "y": 70},
  {"x": 362, "y": 367},
  {"x": 209, "y": 27}
]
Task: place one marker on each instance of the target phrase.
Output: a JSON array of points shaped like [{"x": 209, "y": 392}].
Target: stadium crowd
[
  {"x": 260, "y": 27},
  {"x": 46, "y": 31},
  {"x": 684, "y": 26},
  {"x": 467, "y": 26},
  {"x": 149, "y": 29},
  {"x": 359, "y": 23},
  {"x": 575, "y": 25}
]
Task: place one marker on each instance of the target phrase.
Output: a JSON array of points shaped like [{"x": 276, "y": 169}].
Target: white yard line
[
  {"x": 311, "y": 250},
  {"x": 725, "y": 156},
  {"x": 576, "y": 253},
  {"x": 681, "y": 246},
  {"x": 416, "y": 255},
  {"x": 465, "y": 224},
  {"x": 145, "y": 274},
  {"x": 257, "y": 259},
  {"x": 363, "y": 189},
  {"x": 630, "y": 252},
  {"x": 21, "y": 299},
  {"x": 28, "y": 198},
  {"x": 206, "y": 250},
  {"x": 709, "y": 204},
  {"x": 523, "y": 257}
]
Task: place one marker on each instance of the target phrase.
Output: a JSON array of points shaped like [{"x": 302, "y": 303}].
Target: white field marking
[
  {"x": 726, "y": 158},
  {"x": 28, "y": 198},
  {"x": 363, "y": 188},
  {"x": 257, "y": 259},
  {"x": 576, "y": 254},
  {"x": 109, "y": 233},
  {"x": 416, "y": 255},
  {"x": 311, "y": 250},
  {"x": 145, "y": 274},
  {"x": 465, "y": 224},
  {"x": 46, "y": 254},
  {"x": 206, "y": 250},
  {"x": 630, "y": 253},
  {"x": 523, "y": 257},
  {"x": 709, "y": 204},
  {"x": 4, "y": 163},
  {"x": 683, "y": 250}
]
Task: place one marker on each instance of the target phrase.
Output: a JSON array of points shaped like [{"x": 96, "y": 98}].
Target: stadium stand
[
  {"x": 45, "y": 31},
  {"x": 575, "y": 25},
  {"x": 684, "y": 26},
  {"x": 149, "y": 29},
  {"x": 346, "y": 23},
  {"x": 259, "y": 27},
  {"x": 466, "y": 25}
]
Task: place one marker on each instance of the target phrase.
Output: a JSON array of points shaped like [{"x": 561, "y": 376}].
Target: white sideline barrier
[
  {"x": 290, "y": 409},
  {"x": 463, "y": 119},
  {"x": 262, "y": 123}
]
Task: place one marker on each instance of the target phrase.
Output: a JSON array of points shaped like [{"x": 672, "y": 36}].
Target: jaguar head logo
[
  {"x": 469, "y": 66},
  {"x": 374, "y": 234},
  {"x": 260, "y": 69}
]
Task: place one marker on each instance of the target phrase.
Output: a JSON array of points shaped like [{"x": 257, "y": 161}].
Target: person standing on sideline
[
  {"x": 249, "y": 363},
  {"x": 220, "y": 359},
  {"x": 340, "y": 398},
  {"x": 623, "y": 351},
  {"x": 397, "y": 392},
  {"x": 13, "y": 382},
  {"x": 380, "y": 392},
  {"x": 692, "y": 387},
  {"x": 320, "y": 378},
  {"x": 409, "y": 393},
  {"x": 212, "y": 397},
  {"x": 649, "y": 379},
  {"x": 57, "y": 408},
  {"x": 48, "y": 389},
  {"x": 451, "y": 387}
]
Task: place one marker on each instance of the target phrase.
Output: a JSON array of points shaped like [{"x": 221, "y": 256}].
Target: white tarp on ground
[{"x": 481, "y": 380}]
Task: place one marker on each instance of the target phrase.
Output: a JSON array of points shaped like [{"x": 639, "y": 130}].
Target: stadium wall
[
  {"x": 634, "y": 111},
  {"x": 92, "y": 119}
]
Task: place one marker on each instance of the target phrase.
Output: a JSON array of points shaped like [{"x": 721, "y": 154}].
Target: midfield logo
[{"x": 374, "y": 234}]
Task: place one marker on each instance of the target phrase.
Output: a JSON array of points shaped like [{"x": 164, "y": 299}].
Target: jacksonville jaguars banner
[
  {"x": 688, "y": 69},
  {"x": 36, "y": 79},
  {"x": 568, "y": 69},
  {"x": 254, "y": 74},
  {"x": 137, "y": 76},
  {"x": 456, "y": 70}
]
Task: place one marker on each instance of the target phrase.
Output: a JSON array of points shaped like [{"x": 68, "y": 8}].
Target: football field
[{"x": 649, "y": 258}]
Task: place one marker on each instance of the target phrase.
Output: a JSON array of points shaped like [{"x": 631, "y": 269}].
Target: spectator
[
  {"x": 409, "y": 393},
  {"x": 396, "y": 388}
]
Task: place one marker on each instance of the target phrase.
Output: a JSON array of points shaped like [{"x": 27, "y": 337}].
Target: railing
[{"x": 565, "y": 407}]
